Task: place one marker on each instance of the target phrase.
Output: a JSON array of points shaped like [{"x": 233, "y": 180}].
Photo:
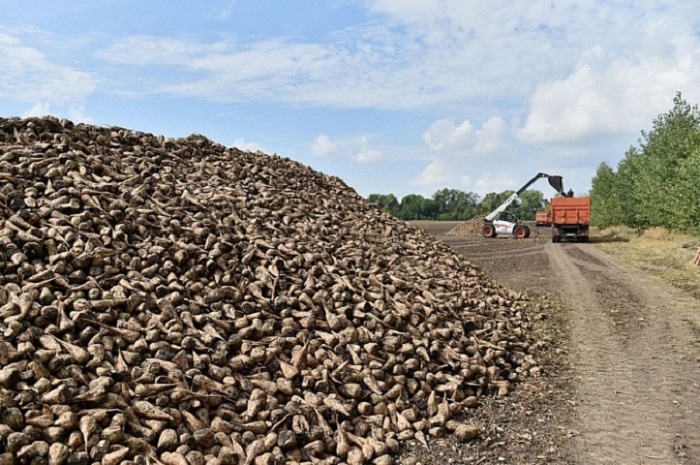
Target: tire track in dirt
[
  {"x": 638, "y": 382},
  {"x": 480, "y": 253},
  {"x": 476, "y": 247}
]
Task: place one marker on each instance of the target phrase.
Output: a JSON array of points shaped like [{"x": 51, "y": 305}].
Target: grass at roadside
[{"x": 663, "y": 253}]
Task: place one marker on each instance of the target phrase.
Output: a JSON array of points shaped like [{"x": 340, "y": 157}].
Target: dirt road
[{"x": 621, "y": 383}]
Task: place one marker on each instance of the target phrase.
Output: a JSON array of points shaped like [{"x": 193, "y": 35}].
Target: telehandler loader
[{"x": 500, "y": 221}]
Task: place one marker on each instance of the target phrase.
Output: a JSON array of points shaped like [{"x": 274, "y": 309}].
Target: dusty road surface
[{"x": 621, "y": 361}]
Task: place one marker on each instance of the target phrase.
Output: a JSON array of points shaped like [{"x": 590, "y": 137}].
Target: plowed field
[{"x": 620, "y": 382}]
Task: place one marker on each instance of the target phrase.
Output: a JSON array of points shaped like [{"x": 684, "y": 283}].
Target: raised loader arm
[
  {"x": 501, "y": 207},
  {"x": 554, "y": 181}
]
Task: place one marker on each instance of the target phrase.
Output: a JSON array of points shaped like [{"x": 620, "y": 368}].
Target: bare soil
[{"x": 620, "y": 362}]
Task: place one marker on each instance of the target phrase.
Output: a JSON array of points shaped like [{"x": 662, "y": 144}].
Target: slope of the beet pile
[{"x": 181, "y": 301}]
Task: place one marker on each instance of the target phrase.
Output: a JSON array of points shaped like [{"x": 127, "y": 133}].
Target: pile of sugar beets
[{"x": 174, "y": 301}]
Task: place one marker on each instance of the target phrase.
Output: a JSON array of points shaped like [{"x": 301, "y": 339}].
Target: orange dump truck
[
  {"x": 571, "y": 217},
  {"x": 543, "y": 218}
]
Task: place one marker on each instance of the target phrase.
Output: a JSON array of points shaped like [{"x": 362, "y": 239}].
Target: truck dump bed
[
  {"x": 570, "y": 218},
  {"x": 571, "y": 210}
]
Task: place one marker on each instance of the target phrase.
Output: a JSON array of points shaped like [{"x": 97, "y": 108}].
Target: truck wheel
[
  {"x": 527, "y": 231},
  {"x": 521, "y": 232},
  {"x": 488, "y": 231}
]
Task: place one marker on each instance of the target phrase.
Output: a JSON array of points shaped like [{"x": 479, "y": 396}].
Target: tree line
[
  {"x": 454, "y": 204},
  {"x": 657, "y": 183}
]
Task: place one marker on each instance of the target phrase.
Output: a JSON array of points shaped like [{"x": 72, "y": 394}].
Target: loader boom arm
[
  {"x": 502, "y": 207},
  {"x": 554, "y": 181}
]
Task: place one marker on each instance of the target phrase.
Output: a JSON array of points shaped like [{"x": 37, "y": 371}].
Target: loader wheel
[
  {"x": 521, "y": 232},
  {"x": 488, "y": 231}
]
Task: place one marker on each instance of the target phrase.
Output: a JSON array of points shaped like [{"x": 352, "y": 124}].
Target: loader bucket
[{"x": 557, "y": 183}]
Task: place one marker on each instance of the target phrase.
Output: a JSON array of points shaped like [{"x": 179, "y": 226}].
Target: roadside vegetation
[
  {"x": 647, "y": 211},
  {"x": 661, "y": 252}
]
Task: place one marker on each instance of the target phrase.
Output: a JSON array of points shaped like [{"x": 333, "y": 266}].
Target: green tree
[
  {"x": 442, "y": 199},
  {"x": 388, "y": 202},
  {"x": 412, "y": 207},
  {"x": 428, "y": 209},
  {"x": 665, "y": 150},
  {"x": 445, "y": 204},
  {"x": 656, "y": 184},
  {"x": 530, "y": 202},
  {"x": 492, "y": 200},
  {"x": 625, "y": 192},
  {"x": 465, "y": 205},
  {"x": 688, "y": 214},
  {"x": 453, "y": 204},
  {"x": 604, "y": 198}
]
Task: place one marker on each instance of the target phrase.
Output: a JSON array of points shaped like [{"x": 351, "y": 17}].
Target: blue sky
[{"x": 391, "y": 96}]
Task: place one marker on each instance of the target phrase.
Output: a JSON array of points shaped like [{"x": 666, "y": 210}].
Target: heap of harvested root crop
[
  {"x": 178, "y": 301},
  {"x": 468, "y": 227}
]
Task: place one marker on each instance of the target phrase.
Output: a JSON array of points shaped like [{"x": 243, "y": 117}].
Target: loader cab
[
  {"x": 506, "y": 216},
  {"x": 505, "y": 222}
]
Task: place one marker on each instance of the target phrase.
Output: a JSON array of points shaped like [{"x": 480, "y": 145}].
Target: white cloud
[
  {"x": 419, "y": 54},
  {"x": 368, "y": 155},
  {"x": 408, "y": 61},
  {"x": 444, "y": 134},
  {"x": 76, "y": 113},
  {"x": 352, "y": 148},
  {"x": 498, "y": 182},
  {"x": 464, "y": 139},
  {"x": 247, "y": 146},
  {"x": 460, "y": 151},
  {"x": 39, "y": 109},
  {"x": 480, "y": 179},
  {"x": 322, "y": 145},
  {"x": 605, "y": 95},
  {"x": 27, "y": 75},
  {"x": 222, "y": 71},
  {"x": 434, "y": 175},
  {"x": 490, "y": 138},
  {"x": 144, "y": 50}
]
